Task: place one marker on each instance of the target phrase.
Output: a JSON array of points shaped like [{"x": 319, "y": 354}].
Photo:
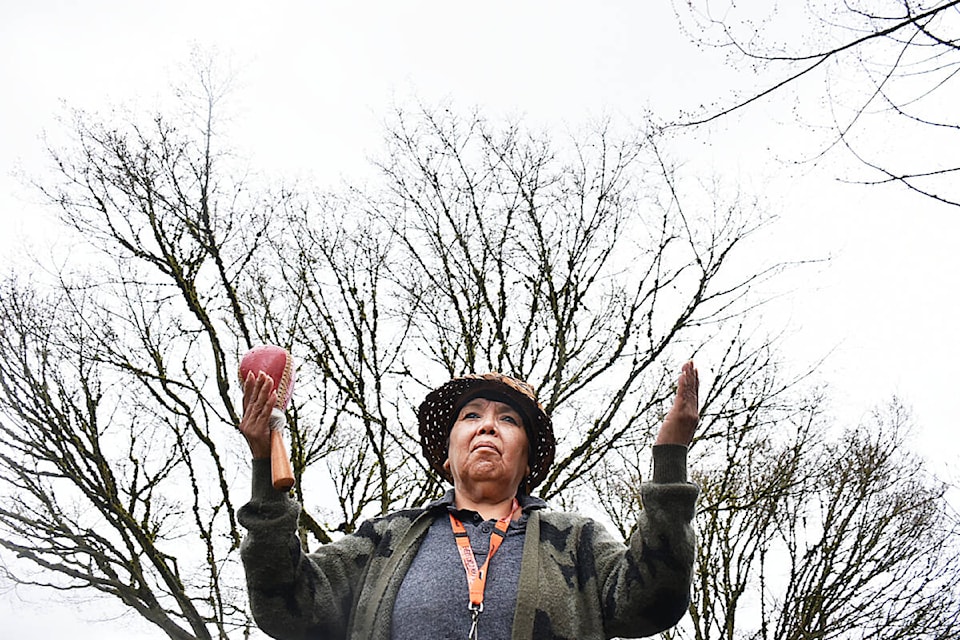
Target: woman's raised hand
[{"x": 681, "y": 421}]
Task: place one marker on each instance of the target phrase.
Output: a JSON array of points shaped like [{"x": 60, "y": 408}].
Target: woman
[{"x": 487, "y": 560}]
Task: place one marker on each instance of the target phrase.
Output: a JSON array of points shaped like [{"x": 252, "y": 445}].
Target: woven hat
[{"x": 438, "y": 412}]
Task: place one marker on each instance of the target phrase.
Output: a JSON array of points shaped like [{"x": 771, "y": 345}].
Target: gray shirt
[{"x": 432, "y": 601}]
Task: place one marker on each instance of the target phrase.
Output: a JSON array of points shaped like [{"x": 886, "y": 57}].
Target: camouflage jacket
[{"x": 576, "y": 580}]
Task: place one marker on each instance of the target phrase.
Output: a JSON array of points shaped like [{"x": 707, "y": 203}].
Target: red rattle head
[{"x": 277, "y": 363}]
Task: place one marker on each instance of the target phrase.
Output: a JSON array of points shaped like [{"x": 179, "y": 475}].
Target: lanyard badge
[{"x": 477, "y": 576}]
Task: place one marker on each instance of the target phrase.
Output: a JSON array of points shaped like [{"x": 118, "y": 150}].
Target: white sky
[{"x": 316, "y": 80}]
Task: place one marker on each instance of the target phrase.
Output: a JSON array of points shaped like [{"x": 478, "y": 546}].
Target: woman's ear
[{"x": 446, "y": 465}]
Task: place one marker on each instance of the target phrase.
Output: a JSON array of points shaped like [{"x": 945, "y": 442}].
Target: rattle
[{"x": 277, "y": 363}]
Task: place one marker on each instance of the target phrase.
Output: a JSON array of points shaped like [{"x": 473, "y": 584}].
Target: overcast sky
[{"x": 314, "y": 85}]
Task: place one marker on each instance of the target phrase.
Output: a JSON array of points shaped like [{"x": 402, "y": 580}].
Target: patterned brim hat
[{"x": 438, "y": 412}]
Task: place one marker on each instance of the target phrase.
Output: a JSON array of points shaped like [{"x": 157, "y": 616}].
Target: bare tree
[
  {"x": 339, "y": 264},
  {"x": 886, "y": 67},
  {"x": 491, "y": 248},
  {"x": 873, "y": 547},
  {"x": 804, "y": 534},
  {"x": 576, "y": 267},
  {"x": 804, "y": 530},
  {"x": 119, "y": 375},
  {"x": 116, "y": 383}
]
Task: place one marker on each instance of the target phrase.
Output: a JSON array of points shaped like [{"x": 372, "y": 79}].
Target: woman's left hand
[{"x": 681, "y": 421}]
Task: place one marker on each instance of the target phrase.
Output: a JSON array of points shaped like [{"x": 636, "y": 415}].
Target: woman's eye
[{"x": 510, "y": 419}]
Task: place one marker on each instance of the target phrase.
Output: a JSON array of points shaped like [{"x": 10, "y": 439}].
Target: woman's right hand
[{"x": 259, "y": 399}]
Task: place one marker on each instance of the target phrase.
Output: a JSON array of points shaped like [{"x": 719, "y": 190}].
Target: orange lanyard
[{"x": 477, "y": 576}]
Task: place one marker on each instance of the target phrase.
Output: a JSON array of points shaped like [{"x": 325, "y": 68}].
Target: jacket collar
[{"x": 527, "y": 503}]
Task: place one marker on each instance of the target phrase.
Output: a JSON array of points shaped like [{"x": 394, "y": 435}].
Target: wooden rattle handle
[{"x": 280, "y": 467}]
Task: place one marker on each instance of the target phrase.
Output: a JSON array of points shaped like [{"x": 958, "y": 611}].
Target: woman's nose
[{"x": 488, "y": 424}]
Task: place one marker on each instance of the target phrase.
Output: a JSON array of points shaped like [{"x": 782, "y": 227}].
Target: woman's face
[{"x": 488, "y": 444}]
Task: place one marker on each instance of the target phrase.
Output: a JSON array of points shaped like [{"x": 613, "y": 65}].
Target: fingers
[
  {"x": 688, "y": 386},
  {"x": 254, "y": 386},
  {"x": 259, "y": 398},
  {"x": 681, "y": 421}
]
